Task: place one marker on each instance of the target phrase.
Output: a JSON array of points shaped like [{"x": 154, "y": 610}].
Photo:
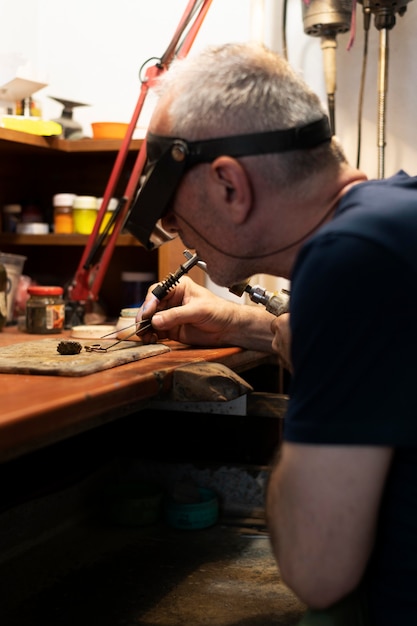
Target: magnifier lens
[{"x": 160, "y": 236}]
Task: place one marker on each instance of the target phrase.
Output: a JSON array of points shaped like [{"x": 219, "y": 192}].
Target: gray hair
[{"x": 241, "y": 88}]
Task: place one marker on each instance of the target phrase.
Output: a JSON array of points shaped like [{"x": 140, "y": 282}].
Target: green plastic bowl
[{"x": 195, "y": 515}]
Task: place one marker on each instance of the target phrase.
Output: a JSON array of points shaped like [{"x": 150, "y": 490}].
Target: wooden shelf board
[
  {"x": 20, "y": 139},
  {"x": 92, "y": 145},
  {"x": 56, "y": 239}
]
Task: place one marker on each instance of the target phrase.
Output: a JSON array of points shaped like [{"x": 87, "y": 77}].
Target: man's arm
[{"x": 322, "y": 509}]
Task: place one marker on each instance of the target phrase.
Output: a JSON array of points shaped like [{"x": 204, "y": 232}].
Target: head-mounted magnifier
[{"x": 168, "y": 158}]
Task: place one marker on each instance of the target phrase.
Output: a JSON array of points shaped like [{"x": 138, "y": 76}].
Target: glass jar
[
  {"x": 111, "y": 207},
  {"x": 12, "y": 214},
  {"x": 45, "y": 310},
  {"x": 63, "y": 221},
  {"x": 84, "y": 213}
]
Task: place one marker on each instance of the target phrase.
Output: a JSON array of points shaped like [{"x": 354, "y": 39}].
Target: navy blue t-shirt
[{"x": 354, "y": 353}]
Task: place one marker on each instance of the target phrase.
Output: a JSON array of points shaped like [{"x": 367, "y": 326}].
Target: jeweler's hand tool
[
  {"x": 276, "y": 303},
  {"x": 160, "y": 291},
  {"x": 139, "y": 328}
]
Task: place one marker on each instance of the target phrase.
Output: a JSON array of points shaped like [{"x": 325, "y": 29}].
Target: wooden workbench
[{"x": 37, "y": 410}]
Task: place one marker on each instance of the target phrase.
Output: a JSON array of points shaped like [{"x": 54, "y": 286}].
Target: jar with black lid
[{"x": 45, "y": 310}]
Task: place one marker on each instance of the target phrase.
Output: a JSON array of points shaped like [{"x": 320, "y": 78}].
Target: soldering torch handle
[{"x": 162, "y": 289}]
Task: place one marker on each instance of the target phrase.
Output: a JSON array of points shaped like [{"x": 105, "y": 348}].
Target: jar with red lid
[{"x": 45, "y": 310}]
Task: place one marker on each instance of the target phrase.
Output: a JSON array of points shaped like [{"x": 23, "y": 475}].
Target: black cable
[
  {"x": 261, "y": 255},
  {"x": 331, "y": 108},
  {"x": 366, "y": 23}
]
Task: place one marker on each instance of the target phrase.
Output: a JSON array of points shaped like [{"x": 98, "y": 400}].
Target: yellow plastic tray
[{"x": 32, "y": 126}]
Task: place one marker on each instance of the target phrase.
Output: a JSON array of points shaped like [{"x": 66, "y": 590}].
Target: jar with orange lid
[{"x": 45, "y": 310}]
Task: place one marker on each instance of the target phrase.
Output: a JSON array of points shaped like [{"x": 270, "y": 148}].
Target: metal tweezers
[{"x": 139, "y": 328}]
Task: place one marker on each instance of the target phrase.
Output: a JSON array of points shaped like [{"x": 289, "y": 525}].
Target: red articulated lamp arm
[{"x": 91, "y": 270}]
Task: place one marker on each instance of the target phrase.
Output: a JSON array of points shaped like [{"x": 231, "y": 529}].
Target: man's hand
[
  {"x": 193, "y": 315},
  {"x": 189, "y": 313}
]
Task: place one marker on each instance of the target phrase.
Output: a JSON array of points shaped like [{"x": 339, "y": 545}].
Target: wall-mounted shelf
[
  {"x": 33, "y": 169},
  {"x": 52, "y": 239},
  {"x": 16, "y": 140}
]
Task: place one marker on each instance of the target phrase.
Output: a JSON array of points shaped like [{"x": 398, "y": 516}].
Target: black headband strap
[
  {"x": 170, "y": 157},
  {"x": 267, "y": 142}
]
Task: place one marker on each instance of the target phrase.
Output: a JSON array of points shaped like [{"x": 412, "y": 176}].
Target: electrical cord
[{"x": 366, "y": 24}]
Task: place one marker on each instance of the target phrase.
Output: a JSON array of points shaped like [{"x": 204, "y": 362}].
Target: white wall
[
  {"x": 91, "y": 51},
  {"x": 401, "y": 130},
  {"x": 401, "y": 103}
]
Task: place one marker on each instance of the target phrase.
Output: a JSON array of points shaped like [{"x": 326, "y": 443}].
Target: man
[{"x": 243, "y": 167}]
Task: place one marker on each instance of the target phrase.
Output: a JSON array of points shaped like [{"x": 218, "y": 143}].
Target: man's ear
[{"x": 233, "y": 186}]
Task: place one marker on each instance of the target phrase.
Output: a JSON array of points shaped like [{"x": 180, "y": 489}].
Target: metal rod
[{"x": 382, "y": 92}]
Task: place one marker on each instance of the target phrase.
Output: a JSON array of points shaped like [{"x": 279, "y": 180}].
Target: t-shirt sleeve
[{"x": 354, "y": 345}]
